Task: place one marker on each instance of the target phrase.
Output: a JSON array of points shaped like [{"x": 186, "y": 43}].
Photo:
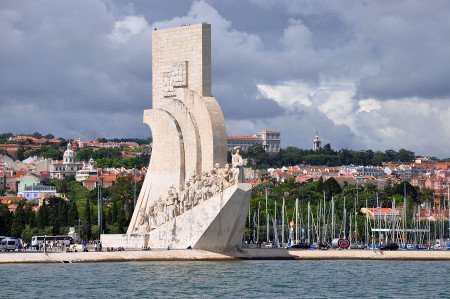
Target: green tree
[
  {"x": 18, "y": 223},
  {"x": 37, "y": 135},
  {"x": 257, "y": 154},
  {"x": 120, "y": 221},
  {"x": 331, "y": 188},
  {"x": 53, "y": 153},
  {"x": 20, "y": 153},
  {"x": 87, "y": 227},
  {"x": 5, "y": 220},
  {"x": 405, "y": 156},
  {"x": 72, "y": 214},
  {"x": 43, "y": 216},
  {"x": 319, "y": 187}
]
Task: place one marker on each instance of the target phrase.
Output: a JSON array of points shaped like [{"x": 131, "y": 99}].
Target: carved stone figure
[
  {"x": 238, "y": 163},
  {"x": 159, "y": 211},
  {"x": 171, "y": 202}
]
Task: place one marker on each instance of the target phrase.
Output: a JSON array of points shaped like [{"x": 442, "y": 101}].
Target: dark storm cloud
[
  {"x": 407, "y": 42},
  {"x": 345, "y": 68}
]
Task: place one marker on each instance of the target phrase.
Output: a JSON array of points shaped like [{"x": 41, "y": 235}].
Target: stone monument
[{"x": 190, "y": 196}]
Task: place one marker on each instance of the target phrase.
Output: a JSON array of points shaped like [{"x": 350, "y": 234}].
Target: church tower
[{"x": 316, "y": 143}]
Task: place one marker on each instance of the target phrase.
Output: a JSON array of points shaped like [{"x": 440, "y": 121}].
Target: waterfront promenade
[{"x": 201, "y": 255}]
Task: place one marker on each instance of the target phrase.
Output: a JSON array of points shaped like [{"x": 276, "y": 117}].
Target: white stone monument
[{"x": 190, "y": 197}]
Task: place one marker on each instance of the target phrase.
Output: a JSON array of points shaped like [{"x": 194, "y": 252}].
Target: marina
[{"x": 336, "y": 223}]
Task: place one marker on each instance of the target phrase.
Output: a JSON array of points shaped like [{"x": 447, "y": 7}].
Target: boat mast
[
  {"x": 296, "y": 220},
  {"x": 404, "y": 215},
  {"x": 282, "y": 221},
  {"x": 367, "y": 225},
  {"x": 345, "y": 220},
  {"x": 267, "y": 221},
  {"x": 448, "y": 207},
  {"x": 257, "y": 228},
  {"x": 309, "y": 212},
  {"x": 276, "y": 224},
  {"x": 333, "y": 224},
  {"x": 350, "y": 229}
]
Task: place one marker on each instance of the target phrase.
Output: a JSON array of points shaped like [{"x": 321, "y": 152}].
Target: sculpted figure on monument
[
  {"x": 191, "y": 192},
  {"x": 142, "y": 217},
  {"x": 171, "y": 201},
  {"x": 238, "y": 164},
  {"x": 206, "y": 189},
  {"x": 152, "y": 217},
  {"x": 159, "y": 211},
  {"x": 225, "y": 177},
  {"x": 198, "y": 190},
  {"x": 181, "y": 200}
]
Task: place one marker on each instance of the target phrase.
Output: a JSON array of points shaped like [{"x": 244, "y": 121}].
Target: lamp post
[
  {"x": 134, "y": 195},
  {"x": 79, "y": 230},
  {"x": 99, "y": 204}
]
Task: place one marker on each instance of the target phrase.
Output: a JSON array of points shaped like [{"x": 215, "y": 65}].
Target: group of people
[
  {"x": 197, "y": 189},
  {"x": 58, "y": 245}
]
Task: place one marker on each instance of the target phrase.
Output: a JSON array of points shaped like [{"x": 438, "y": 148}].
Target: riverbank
[{"x": 201, "y": 255}]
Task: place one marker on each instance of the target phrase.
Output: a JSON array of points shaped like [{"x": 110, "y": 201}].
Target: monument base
[{"x": 216, "y": 224}]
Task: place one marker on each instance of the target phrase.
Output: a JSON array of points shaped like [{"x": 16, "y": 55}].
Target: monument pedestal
[{"x": 216, "y": 224}]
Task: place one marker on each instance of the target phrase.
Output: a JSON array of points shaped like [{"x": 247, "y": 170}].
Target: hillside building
[
  {"x": 269, "y": 139},
  {"x": 67, "y": 167}
]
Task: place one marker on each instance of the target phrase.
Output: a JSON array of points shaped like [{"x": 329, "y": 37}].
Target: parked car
[
  {"x": 390, "y": 246},
  {"x": 300, "y": 246}
]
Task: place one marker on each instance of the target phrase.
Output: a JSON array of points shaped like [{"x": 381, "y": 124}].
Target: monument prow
[{"x": 190, "y": 196}]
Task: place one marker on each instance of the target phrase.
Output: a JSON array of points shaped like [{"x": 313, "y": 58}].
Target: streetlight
[
  {"x": 134, "y": 171},
  {"x": 99, "y": 204}
]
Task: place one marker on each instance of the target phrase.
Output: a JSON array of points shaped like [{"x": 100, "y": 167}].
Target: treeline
[
  {"x": 139, "y": 141},
  {"x": 79, "y": 211},
  {"x": 104, "y": 157},
  {"x": 112, "y": 157},
  {"x": 259, "y": 158},
  {"x": 53, "y": 218}
]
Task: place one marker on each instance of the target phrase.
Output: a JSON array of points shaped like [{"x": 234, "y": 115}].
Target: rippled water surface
[{"x": 286, "y": 279}]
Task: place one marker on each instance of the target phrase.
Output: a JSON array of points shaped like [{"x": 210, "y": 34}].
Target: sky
[{"x": 364, "y": 74}]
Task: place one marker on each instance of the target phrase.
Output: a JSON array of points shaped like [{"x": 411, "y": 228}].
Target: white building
[
  {"x": 5, "y": 160},
  {"x": 87, "y": 171},
  {"x": 67, "y": 167},
  {"x": 362, "y": 171},
  {"x": 36, "y": 191},
  {"x": 269, "y": 139}
]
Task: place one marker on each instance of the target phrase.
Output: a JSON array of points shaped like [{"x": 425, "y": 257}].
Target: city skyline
[{"x": 366, "y": 76}]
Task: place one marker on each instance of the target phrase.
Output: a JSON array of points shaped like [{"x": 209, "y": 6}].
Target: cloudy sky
[{"x": 365, "y": 74}]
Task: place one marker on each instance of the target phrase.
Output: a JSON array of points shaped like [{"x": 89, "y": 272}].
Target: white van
[{"x": 12, "y": 244}]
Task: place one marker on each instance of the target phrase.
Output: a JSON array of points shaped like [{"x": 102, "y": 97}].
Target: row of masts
[{"x": 322, "y": 226}]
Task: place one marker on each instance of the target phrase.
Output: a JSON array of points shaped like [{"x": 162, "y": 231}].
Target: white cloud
[
  {"x": 289, "y": 95},
  {"x": 128, "y": 27},
  {"x": 368, "y": 105}
]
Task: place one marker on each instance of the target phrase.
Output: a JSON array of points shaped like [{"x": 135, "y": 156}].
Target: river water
[{"x": 266, "y": 279}]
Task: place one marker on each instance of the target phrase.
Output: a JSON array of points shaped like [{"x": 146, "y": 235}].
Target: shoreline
[{"x": 202, "y": 255}]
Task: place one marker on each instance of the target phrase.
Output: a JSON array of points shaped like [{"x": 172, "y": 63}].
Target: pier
[{"x": 201, "y": 255}]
